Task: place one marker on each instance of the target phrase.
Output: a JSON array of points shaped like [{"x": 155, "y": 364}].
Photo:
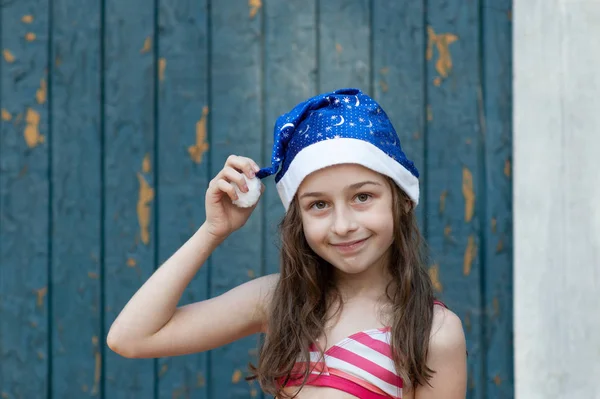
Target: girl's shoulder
[{"x": 446, "y": 327}]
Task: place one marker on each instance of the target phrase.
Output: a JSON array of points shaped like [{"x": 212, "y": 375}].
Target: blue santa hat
[{"x": 341, "y": 127}]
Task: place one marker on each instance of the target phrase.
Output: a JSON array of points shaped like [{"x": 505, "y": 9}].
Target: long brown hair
[{"x": 299, "y": 306}]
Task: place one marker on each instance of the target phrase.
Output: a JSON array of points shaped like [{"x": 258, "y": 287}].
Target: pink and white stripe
[{"x": 361, "y": 364}]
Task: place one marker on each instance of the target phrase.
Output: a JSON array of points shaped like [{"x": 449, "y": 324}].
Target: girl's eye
[
  {"x": 319, "y": 205},
  {"x": 363, "y": 197}
]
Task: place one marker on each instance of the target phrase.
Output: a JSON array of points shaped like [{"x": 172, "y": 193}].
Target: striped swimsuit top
[{"x": 360, "y": 365}]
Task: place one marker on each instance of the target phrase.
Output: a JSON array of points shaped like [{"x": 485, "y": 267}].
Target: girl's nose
[{"x": 343, "y": 221}]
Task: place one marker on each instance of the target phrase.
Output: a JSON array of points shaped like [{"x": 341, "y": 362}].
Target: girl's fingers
[
  {"x": 227, "y": 188},
  {"x": 243, "y": 164},
  {"x": 232, "y": 175}
]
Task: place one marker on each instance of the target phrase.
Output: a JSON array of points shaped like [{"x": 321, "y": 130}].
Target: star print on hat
[{"x": 344, "y": 126}]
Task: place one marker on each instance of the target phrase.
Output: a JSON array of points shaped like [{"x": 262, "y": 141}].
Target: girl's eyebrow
[{"x": 354, "y": 186}]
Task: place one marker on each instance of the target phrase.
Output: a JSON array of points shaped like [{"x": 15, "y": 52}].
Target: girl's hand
[{"x": 222, "y": 216}]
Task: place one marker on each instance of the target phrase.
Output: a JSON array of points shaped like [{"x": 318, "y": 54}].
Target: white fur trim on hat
[{"x": 343, "y": 151}]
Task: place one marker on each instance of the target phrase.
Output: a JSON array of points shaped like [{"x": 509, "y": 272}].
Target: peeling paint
[
  {"x": 162, "y": 65},
  {"x": 97, "y": 372},
  {"x": 384, "y": 70},
  {"x": 507, "y": 168},
  {"x": 5, "y": 115},
  {"x": 30, "y": 36},
  {"x": 493, "y": 224},
  {"x": 177, "y": 393},
  {"x": 254, "y": 5},
  {"x": 499, "y": 246},
  {"x": 468, "y": 321},
  {"x": 131, "y": 262},
  {"x": 434, "y": 275},
  {"x": 442, "y": 41},
  {"x": 41, "y": 293},
  {"x": 8, "y": 56},
  {"x": 197, "y": 150},
  {"x": 27, "y": 19},
  {"x": 251, "y": 273},
  {"x": 200, "y": 380},
  {"x": 497, "y": 380},
  {"x": 93, "y": 275},
  {"x": 42, "y": 93},
  {"x": 443, "y": 201},
  {"x": 32, "y": 131},
  {"x": 94, "y": 340},
  {"x": 146, "y": 167},
  {"x": 147, "y": 45},
  {"x": 339, "y": 48},
  {"x": 163, "y": 370},
  {"x": 437, "y": 81},
  {"x": 84, "y": 388},
  {"x": 470, "y": 253},
  {"x": 253, "y": 392},
  {"x": 384, "y": 86},
  {"x": 146, "y": 195},
  {"x": 429, "y": 113},
  {"x": 236, "y": 377},
  {"x": 447, "y": 231},
  {"x": 469, "y": 194},
  {"x": 41, "y": 355}
]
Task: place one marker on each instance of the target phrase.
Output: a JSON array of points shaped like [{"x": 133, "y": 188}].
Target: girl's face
[{"x": 347, "y": 216}]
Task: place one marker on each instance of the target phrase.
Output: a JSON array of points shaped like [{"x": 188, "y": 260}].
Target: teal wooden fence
[{"x": 116, "y": 113}]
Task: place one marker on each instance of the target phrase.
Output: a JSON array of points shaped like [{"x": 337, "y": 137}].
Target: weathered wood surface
[
  {"x": 129, "y": 178},
  {"x": 455, "y": 182},
  {"x": 116, "y": 114},
  {"x": 25, "y": 140},
  {"x": 496, "y": 220},
  {"x": 76, "y": 182},
  {"x": 182, "y": 169},
  {"x": 237, "y": 128}
]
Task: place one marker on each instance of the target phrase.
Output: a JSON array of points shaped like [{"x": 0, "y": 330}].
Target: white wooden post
[{"x": 557, "y": 198}]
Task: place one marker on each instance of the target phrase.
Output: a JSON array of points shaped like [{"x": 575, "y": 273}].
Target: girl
[{"x": 351, "y": 313}]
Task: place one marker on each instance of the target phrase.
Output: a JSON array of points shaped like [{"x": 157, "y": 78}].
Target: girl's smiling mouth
[{"x": 350, "y": 246}]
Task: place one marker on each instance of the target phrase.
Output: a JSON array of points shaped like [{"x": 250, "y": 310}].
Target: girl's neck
[{"x": 370, "y": 284}]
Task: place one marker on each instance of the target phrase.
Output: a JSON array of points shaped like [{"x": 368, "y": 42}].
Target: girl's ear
[{"x": 408, "y": 204}]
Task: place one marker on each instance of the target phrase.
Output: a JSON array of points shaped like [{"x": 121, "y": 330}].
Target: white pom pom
[{"x": 246, "y": 200}]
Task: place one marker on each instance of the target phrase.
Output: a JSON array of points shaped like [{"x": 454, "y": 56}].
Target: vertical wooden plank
[
  {"x": 344, "y": 44},
  {"x": 182, "y": 146},
  {"x": 454, "y": 190},
  {"x": 24, "y": 203},
  {"x": 398, "y": 73},
  {"x": 497, "y": 97},
  {"x": 236, "y": 128},
  {"x": 129, "y": 178},
  {"x": 76, "y": 207},
  {"x": 288, "y": 81}
]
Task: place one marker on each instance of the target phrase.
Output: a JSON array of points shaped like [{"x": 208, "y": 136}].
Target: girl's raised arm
[{"x": 151, "y": 325}]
